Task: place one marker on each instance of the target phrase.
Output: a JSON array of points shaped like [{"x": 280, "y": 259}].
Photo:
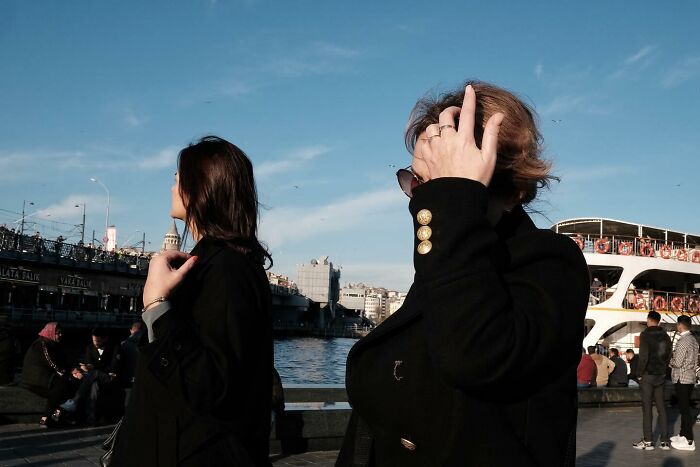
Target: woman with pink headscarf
[{"x": 46, "y": 373}]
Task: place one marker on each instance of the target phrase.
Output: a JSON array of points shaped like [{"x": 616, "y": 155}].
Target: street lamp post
[
  {"x": 108, "y": 198},
  {"x": 24, "y": 205},
  {"x": 82, "y": 230}
]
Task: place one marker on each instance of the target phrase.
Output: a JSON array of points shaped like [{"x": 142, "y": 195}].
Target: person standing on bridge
[
  {"x": 202, "y": 392},
  {"x": 462, "y": 374}
]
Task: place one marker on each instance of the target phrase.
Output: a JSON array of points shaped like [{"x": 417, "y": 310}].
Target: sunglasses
[{"x": 408, "y": 180}]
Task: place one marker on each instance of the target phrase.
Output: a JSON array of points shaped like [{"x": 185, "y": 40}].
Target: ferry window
[{"x": 607, "y": 275}]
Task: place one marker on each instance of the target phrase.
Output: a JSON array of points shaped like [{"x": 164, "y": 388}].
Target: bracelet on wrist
[{"x": 157, "y": 300}]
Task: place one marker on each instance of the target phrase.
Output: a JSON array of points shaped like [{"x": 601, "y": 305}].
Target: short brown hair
[{"x": 520, "y": 170}]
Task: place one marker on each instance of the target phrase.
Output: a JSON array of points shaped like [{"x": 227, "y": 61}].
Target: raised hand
[
  {"x": 450, "y": 152},
  {"x": 163, "y": 276}
]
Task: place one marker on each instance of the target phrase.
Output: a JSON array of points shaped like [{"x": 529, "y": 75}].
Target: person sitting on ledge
[
  {"x": 586, "y": 372},
  {"x": 45, "y": 372},
  {"x": 618, "y": 377}
]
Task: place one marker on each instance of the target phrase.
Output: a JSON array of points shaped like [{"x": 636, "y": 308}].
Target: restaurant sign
[
  {"x": 12, "y": 274},
  {"x": 76, "y": 282}
]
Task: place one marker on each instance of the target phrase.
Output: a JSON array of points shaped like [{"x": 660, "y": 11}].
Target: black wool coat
[
  {"x": 202, "y": 392},
  {"x": 478, "y": 368}
]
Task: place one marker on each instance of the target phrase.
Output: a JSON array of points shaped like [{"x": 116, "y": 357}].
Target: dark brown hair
[
  {"x": 218, "y": 189},
  {"x": 520, "y": 170}
]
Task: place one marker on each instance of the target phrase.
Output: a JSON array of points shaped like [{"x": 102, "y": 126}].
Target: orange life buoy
[
  {"x": 645, "y": 249},
  {"x": 695, "y": 257},
  {"x": 682, "y": 255},
  {"x": 579, "y": 242},
  {"x": 638, "y": 301},
  {"x": 677, "y": 304},
  {"x": 602, "y": 245},
  {"x": 665, "y": 251},
  {"x": 694, "y": 304},
  {"x": 660, "y": 303},
  {"x": 625, "y": 248}
]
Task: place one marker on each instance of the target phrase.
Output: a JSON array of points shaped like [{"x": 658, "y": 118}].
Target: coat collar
[{"x": 513, "y": 223}]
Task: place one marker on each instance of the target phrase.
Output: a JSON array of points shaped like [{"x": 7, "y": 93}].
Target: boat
[{"x": 635, "y": 269}]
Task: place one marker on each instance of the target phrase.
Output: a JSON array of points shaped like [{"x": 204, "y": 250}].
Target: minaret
[{"x": 172, "y": 239}]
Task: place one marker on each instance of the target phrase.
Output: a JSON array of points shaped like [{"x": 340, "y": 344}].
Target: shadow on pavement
[{"x": 599, "y": 456}]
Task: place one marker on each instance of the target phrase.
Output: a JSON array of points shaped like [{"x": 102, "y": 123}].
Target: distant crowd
[
  {"x": 658, "y": 361},
  {"x": 12, "y": 240}
]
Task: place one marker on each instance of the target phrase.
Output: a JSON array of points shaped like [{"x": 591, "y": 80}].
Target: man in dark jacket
[
  {"x": 99, "y": 368},
  {"x": 654, "y": 358},
  {"x": 633, "y": 360},
  {"x": 127, "y": 357},
  {"x": 618, "y": 377}
]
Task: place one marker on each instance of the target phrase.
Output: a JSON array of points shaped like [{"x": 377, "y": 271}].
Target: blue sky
[{"x": 318, "y": 94}]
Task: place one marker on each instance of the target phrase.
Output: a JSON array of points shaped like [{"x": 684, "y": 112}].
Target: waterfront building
[
  {"x": 375, "y": 305},
  {"x": 394, "y": 302},
  {"x": 352, "y": 297},
  {"x": 172, "y": 239},
  {"x": 320, "y": 281}
]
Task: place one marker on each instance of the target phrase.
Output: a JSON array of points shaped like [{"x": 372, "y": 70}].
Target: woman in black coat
[
  {"x": 46, "y": 372},
  {"x": 202, "y": 392},
  {"x": 479, "y": 365}
]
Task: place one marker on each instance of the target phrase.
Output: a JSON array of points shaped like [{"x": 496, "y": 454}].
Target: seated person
[
  {"x": 98, "y": 368},
  {"x": 46, "y": 372},
  {"x": 618, "y": 377}
]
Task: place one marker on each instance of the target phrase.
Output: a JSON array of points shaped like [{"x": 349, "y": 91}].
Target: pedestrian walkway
[{"x": 604, "y": 439}]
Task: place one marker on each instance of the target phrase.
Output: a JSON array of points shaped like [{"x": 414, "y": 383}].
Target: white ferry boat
[{"x": 634, "y": 269}]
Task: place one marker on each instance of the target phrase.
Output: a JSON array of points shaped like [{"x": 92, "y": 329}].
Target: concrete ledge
[{"x": 621, "y": 397}]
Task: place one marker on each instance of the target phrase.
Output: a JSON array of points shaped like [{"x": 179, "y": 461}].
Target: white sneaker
[
  {"x": 676, "y": 438},
  {"x": 69, "y": 406},
  {"x": 683, "y": 444},
  {"x": 643, "y": 445},
  {"x": 663, "y": 445}
]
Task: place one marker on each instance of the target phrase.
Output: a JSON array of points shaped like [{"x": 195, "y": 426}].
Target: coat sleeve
[
  {"x": 643, "y": 354},
  {"x": 204, "y": 360},
  {"x": 484, "y": 326}
]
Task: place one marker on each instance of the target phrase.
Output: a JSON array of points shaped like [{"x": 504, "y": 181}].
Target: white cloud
[
  {"x": 682, "y": 72},
  {"x": 293, "y": 161},
  {"x": 286, "y": 225},
  {"x": 65, "y": 210},
  {"x": 568, "y": 104},
  {"x": 133, "y": 120},
  {"x": 633, "y": 64},
  {"x": 162, "y": 159},
  {"x": 642, "y": 53},
  {"x": 539, "y": 70}
]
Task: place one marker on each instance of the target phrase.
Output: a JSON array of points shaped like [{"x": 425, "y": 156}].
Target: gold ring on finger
[
  {"x": 442, "y": 127},
  {"x": 433, "y": 136}
]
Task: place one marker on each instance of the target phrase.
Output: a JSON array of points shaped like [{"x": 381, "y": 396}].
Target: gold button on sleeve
[
  {"x": 424, "y": 217},
  {"x": 424, "y": 233},
  {"x": 408, "y": 444},
  {"x": 424, "y": 247}
]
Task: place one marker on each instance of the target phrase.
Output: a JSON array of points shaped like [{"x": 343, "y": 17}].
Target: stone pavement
[{"x": 605, "y": 438}]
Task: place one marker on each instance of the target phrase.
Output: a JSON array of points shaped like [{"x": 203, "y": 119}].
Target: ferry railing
[
  {"x": 636, "y": 246},
  {"x": 664, "y": 302}
]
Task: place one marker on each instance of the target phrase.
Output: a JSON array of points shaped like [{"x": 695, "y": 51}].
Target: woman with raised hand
[
  {"x": 479, "y": 365},
  {"x": 202, "y": 393}
]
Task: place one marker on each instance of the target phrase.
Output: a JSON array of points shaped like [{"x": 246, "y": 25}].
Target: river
[{"x": 312, "y": 360}]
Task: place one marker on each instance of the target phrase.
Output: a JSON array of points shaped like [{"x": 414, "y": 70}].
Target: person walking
[
  {"x": 493, "y": 299},
  {"x": 202, "y": 393},
  {"x": 654, "y": 358},
  {"x": 683, "y": 365}
]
